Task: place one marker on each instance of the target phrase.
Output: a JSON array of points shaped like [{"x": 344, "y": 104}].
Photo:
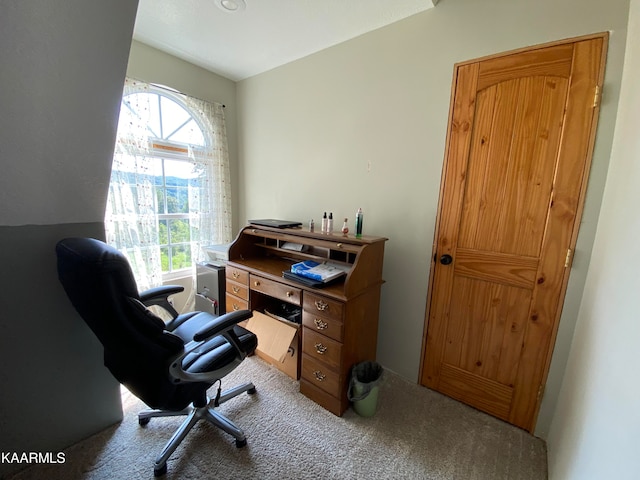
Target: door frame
[{"x": 580, "y": 208}]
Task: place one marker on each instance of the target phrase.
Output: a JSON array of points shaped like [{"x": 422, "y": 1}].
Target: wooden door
[{"x": 519, "y": 146}]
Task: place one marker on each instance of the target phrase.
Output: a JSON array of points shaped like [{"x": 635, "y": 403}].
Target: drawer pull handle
[
  {"x": 236, "y": 290},
  {"x": 235, "y": 307},
  {"x": 322, "y": 306},
  {"x": 339, "y": 245},
  {"x": 235, "y": 274},
  {"x": 320, "y": 348},
  {"x": 320, "y": 325},
  {"x": 256, "y": 283},
  {"x": 319, "y": 375},
  {"x": 289, "y": 294}
]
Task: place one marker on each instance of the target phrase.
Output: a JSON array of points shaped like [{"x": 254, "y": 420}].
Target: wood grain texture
[
  {"x": 563, "y": 220},
  {"x": 515, "y": 270},
  {"x": 510, "y": 201},
  {"x": 488, "y": 396},
  {"x": 518, "y": 128},
  {"x": 458, "y": 144},
  {"x": 340, "y": 320},
  {"x": 554, "y": 61}
]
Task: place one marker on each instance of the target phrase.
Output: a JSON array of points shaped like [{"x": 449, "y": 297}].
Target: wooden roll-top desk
[{"x": 339, "y": 322}]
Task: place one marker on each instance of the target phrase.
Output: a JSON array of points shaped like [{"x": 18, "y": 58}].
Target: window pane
[
  {"x": 177, "y": 177},
  {"x": 154, "y": 115},
  {"x": 179, "y": 230},
  {"x": 158, "y": 178},
  {"x": 190, "y": 133},
  {"x": 163, "y": 232},
  {"x": 177, "y": 200},
  {"x": 178, "y": 172},
  {"x": 145, "y": 106},
  {"x": 199, "y": 175},
  {"x": 164, "y": 258},
  {"x": 180, "y": 257},
  {"x": 160, "y": 199},
  {"x": 173, "y": 116}
]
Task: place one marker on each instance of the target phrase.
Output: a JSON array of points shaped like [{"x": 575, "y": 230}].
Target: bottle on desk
[
  {"x": 330, "y": 223},
  {"x": 345, "y": 227},
  {"x": 324, "y": 223},
  {"x": 359, "y": 218}
]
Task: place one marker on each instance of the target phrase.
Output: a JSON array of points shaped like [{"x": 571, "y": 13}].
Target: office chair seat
[
  {"x": 168, "y": 366},
  {"x": 214, "y": 353}
]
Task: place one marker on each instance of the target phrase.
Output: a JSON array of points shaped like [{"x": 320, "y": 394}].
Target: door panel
[
  {"x": 506, "y": 204},
  {"x": 516, "y": 270},
  {"x": 518, "y": 154},
  {"x": 554, "y": 60}
]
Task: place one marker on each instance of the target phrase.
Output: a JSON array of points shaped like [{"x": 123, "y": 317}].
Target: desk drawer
[
  {"x": 319, "y": 375},
  {"x": 321, "y": 348},
  {"x": 237, "y": 275},
  {"x": 238, "y": 290},
  {"x": 326, "y": 326},
  {"x": 276, "y": 289},
  {"x": 234, "y": 303},
  {"x": 323, "y": 306}
]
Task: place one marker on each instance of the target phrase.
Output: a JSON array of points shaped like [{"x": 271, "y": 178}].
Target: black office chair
[{"x": 169, "y": 367}]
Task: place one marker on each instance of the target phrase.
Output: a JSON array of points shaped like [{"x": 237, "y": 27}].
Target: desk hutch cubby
[{"x": 339, "y": 321}]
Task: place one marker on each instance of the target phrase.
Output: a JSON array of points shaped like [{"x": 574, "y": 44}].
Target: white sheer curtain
[
  {"x": 210, "y": 214},
  {"x": 131, "y": 219}
]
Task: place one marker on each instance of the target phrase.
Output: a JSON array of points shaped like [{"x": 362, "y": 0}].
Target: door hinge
[
  {"x": 568, "y": 258},
  {"x": 596, "y": 97}
]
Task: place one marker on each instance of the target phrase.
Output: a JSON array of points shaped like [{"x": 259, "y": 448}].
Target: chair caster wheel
[
  {"x": 251, "y": 391},
  {"x": 241, "y": 443},
  {"x": 142, "y": 422},
  {"x": 160, "y": 471}
]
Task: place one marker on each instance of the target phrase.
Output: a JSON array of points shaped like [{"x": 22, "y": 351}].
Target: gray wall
[
  {"x": 363, "y": 124},
  {"x": 63, "y": 65},
  {"x": 595, "y": 427}
]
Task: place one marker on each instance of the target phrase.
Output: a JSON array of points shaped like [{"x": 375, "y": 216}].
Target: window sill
[{"x": 177, "y": 274}]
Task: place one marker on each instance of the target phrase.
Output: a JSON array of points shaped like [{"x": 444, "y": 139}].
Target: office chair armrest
[
  {"x": 221, "y": 324},
  {"x": 160, "y": 296}
]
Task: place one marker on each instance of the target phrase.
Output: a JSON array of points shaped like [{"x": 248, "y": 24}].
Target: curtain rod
[
  {"x": 169, "y": 89},
  {"x": 173, "y": 90}
]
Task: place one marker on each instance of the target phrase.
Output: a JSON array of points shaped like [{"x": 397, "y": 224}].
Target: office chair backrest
[{"x": 100, "y": 284}]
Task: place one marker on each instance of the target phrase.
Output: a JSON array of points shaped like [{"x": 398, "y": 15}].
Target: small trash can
[{"x": 364, "y": 387}]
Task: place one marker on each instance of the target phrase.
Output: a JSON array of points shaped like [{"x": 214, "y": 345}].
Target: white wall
[
  {"x": 594, "y": 433},
  {"x": 363, "y": 124}
]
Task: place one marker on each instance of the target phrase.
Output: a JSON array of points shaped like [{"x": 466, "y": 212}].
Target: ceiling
[{"x": 260, "y": 34}]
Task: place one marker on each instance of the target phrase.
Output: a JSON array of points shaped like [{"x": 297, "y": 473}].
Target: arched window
[
  {"x": 166, "y": 118},
  {"x": 168, "y": 194}
]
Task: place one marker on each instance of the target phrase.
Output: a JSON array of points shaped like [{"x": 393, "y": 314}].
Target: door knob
[{"x": 446, "y": 259}]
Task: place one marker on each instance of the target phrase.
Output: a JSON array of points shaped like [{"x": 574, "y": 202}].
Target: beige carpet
[{"x": 415, "y": 434}]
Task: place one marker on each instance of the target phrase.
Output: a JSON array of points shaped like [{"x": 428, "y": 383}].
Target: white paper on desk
[{"x": 296, "y": 247}]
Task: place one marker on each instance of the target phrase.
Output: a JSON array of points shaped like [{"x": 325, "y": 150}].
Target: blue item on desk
[{"x": 321, "y": 272}]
